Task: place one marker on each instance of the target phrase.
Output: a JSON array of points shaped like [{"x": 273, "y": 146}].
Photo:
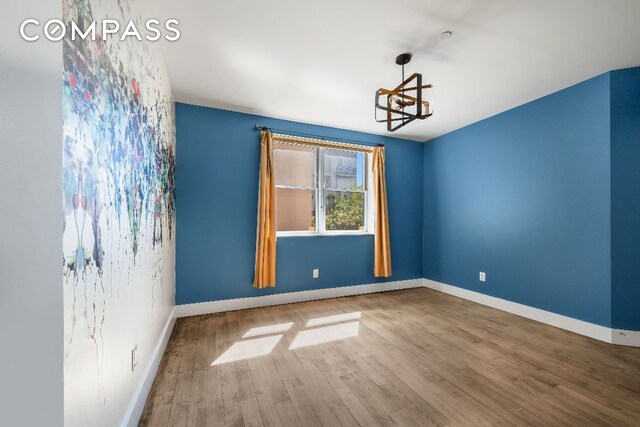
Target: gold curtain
[
  {"x": 265, "y": 270},
  {"x": 382, "y": 247}
]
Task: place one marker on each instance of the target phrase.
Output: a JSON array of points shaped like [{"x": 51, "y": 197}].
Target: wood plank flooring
[{"x": 414, "y": 357}]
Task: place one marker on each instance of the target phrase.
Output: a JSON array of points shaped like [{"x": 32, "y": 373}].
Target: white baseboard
[
  {"x": 185, "y": 310},
  {"x": 622, "y": 337},
  {"x": 602, "y": 333},
  {"x": 134, "y": 411}
]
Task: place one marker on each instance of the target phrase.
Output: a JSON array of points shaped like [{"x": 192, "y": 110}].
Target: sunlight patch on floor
[
  {"x": 325, "y": 334},
  {"x": 339, "y": 327},
  {"x": 266, "y": 330},
  {"x": 333, "y": 319},
  {"x": 248, "y": 349}
]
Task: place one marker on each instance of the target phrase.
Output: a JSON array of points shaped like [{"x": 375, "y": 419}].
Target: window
[{"x": 321, "y": 190}]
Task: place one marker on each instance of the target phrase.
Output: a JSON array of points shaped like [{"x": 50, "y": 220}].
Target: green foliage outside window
[{"x": 345, "y": 211}]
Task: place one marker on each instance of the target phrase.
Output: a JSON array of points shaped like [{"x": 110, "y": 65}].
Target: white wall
[
  {"x": 31, "y": 308},
  {"x": 118, "y": 204}
]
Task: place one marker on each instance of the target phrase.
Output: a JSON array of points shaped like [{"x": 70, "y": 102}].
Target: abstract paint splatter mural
[{"x": 118, "y": 189}]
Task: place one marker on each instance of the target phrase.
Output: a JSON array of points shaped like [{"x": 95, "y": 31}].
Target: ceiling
[{"x": 321, "y": 62}]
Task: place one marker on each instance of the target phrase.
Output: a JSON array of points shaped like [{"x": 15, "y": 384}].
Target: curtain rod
[{"x": 324, "y": 138}]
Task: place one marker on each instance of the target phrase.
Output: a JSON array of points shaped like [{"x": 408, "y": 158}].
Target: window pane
[
  {"x": 343, "y": 169},
  {"x": 344, "y": 210},
  {"x": 295, "y": 210},
  {"x": 293, "y": 164}
]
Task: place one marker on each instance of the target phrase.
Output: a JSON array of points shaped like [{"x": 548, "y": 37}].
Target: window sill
[{"x": 336, "y": 233}]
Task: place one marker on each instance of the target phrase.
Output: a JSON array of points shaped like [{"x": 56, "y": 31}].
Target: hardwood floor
[{"x": 414, "y": 357}]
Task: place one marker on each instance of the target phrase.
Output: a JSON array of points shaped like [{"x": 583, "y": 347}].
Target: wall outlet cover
[
  {"x": 134, "y": 357},
  {"x": 316, "y": 273},
  {"x": 483, "y": 276}
]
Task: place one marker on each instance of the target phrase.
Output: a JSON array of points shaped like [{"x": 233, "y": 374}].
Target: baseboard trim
[
  {"x": 134, "y": 411},
  {"x": 186, "y": 310},
  {"x": 602, "y": 333},
  {"x": 623, "y": 337}
]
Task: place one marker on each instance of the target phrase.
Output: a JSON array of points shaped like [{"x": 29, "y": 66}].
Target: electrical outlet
[
  {"x": 483, "y": 276},
  {"x": 316, "y": 273},
  {"x": 134, "y": 357}
]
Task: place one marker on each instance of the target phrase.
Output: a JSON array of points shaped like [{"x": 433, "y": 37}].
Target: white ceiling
[{"x": 320, "y": 62}]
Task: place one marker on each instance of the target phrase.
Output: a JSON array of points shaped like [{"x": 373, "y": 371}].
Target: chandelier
[{"x": 407, "y": 102}]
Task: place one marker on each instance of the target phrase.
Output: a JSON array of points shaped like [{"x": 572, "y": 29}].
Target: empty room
[{"x": 335, "y": 213}]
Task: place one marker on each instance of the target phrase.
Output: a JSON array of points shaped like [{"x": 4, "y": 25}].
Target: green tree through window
[{"x": 344, "y": 211}]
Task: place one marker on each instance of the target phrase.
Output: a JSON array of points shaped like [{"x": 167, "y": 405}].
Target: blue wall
[
  {"x": 525, "y": 196},
  {"x": 217, "y": 189},
  {"x": 544, "y": 198},
  {"x": 625, "y": 196}
]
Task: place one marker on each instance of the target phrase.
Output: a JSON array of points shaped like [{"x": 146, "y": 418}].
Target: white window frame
[{"x": 319, "y": 189}]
